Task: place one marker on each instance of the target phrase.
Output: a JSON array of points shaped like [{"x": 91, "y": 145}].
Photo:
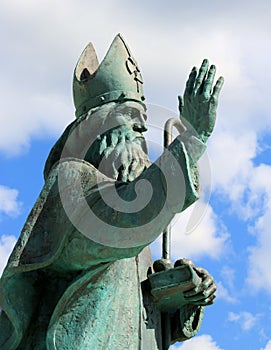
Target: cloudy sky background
[{"x": 41, "y": 42}]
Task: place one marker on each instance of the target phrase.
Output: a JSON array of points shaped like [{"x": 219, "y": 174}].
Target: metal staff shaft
[
  {"x": 166, "y": 239},
  {"x": 172, "y": 122}
]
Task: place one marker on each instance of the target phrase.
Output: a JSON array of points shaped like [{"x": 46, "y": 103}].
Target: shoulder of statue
[
  {"x": 74, "y": 172},
  {"x": 69, "y": 166}
]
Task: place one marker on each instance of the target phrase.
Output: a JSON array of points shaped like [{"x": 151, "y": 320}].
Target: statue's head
[{"x": 111, "y": 115}]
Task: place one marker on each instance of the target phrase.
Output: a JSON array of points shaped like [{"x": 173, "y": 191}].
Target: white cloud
[
  {"x": 247, "y": 188},
  {"x": 234, "y": 175},
  {"x": 38, "y": 61},
  {"x": 268, "y": 346},
  {"x": 259, "y": 187},
  {"x": 9, "y": 204},
  {"x": 208, "y": 237},
  {"x": 259, "y": 256},
  {"x": 228, "y": 275},
  {"x": 231, "y": 162},
  {"x": 245, "y": 319},
  {"x": 7, "y": 243},
  {"x": 201, "y": 342},
  {"x": 224, "y": 294},
  {"x": 39, "y": 116}
]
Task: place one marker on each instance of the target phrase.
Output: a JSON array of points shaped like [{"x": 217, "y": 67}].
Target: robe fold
[{"x": 64, "y": 289}]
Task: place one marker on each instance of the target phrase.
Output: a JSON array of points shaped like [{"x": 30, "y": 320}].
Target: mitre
[{"x": 116, "y": 79}]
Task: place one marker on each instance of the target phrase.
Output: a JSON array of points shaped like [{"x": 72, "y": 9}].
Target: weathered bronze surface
[{"x": 81, "y": 274}]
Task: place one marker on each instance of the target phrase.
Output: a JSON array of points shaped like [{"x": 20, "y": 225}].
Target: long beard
[{"x": 119, "y": 154}]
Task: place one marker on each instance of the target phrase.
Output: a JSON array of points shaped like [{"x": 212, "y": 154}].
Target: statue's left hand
[
  {"x": 199, "y": 103},
  {"x": 204, "y": 293}
]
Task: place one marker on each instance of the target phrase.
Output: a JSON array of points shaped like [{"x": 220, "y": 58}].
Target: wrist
[{"x": 194, "y": 144}]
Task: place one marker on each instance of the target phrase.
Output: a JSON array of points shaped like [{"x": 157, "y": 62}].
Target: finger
[
  {"x": 207, "y": 281},
  {"x": 199, "y": 299},
  {"x": 206, "y": 302},
  {"x": 217, "y": 89},
  {"x": 208, "y": 83},
  {"x": 201, "y": 289},
  {"x": 207, "y": 293},
  {"x": 184, "y": 261},
  {"x": 181, "y": 104},
  {"x": 162, "y": 265},
  {"x": 191, "y": 81},
  {"x": 201, "y": 272},
  {"x": 200, "y": 78}
]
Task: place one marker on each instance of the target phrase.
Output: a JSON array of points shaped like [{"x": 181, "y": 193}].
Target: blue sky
[{"x": 41, "y": 42}]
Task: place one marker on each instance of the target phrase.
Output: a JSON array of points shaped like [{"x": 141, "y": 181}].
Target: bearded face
[
  {"x": 110, "y": 137},
  {"x": 121, "y": 151}
]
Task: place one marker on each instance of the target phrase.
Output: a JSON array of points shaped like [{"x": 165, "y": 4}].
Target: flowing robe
[{"x": 63, "y": 290}]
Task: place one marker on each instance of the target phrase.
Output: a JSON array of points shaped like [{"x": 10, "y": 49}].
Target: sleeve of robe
[{"x": 48, "y": 228}]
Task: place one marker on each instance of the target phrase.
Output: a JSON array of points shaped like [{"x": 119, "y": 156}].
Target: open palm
[{"x": 199, "y": 103}]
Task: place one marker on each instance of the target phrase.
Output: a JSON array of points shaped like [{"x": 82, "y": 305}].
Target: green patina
[{"x": 81, "y": 281}]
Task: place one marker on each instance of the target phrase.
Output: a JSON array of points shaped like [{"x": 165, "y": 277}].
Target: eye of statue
[{"x": 127, "y": 112}]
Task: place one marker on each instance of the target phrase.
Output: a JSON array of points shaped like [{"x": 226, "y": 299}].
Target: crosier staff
[
  {"x": 197, "y": 119},
  {"x": 166, "y": 238}
]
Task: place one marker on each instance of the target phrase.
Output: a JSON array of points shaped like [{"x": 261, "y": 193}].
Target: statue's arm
[
  {"x": 149, "y": 203},
  {"x": 140, "y": 209}
]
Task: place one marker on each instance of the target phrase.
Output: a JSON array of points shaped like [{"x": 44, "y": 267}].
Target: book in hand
[{"x": 168, "y": 287}]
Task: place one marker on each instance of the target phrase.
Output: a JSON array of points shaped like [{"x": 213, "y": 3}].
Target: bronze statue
[{"x": 81, "y": 274}]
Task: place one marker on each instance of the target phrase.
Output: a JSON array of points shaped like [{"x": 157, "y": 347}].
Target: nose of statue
[
  {"x": 140, "y": 127},
  {"x": 139, "y": 123}
]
